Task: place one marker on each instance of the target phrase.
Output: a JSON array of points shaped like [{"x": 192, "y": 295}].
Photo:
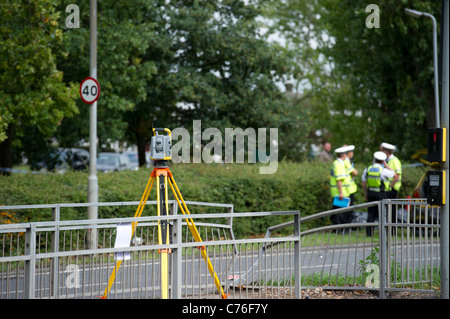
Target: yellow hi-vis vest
[
  {"x": 352, "y": 188},
  {"x": 395, "y": 164},
  {"x": 374, "y": 182},
  {"x": 339, "y": 173}
]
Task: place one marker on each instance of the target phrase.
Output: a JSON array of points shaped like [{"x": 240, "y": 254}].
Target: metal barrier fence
[
  {"x": 52, "y": 260},
  {"x": 401, "y": 254},
  {"x": 412, "y": 245}
]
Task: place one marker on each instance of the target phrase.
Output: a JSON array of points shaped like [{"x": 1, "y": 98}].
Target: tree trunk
[
  {"x": 6, "y": 152},
  {"x": 141, "y": 143}
]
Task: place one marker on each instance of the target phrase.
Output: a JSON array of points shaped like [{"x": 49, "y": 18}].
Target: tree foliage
[
  {"x": 32, "y": 90},
  {"x": 369, "y": 84},
  {"x": 389, "y": 69},
  {"x": 123, "y": 30},
  {"x": 166, "y": 64}
]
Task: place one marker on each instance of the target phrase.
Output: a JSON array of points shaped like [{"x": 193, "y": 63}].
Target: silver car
[{"x": 108, "y": 162}]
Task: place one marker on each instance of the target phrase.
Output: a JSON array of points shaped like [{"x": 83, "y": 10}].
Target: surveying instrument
[{"x": 160, "y": 154}]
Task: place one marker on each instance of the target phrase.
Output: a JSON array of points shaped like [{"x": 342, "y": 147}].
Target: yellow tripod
[{"x": 162, "y": 175}]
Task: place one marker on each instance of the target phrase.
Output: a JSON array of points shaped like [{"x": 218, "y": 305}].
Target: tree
[
  {"x": 387, "y": 71},
  {"x": 299, "y": 29},
  {"x": 376, "y": 83},
  {"x": 32, "y": 90},
  {"x": 154, "y": 56},
  {"x": 124, "y": 29},
  {"x": 211, "y": 57}
]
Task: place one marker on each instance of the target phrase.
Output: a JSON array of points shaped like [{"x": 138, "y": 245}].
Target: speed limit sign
[{"x": 89, "y": 90}]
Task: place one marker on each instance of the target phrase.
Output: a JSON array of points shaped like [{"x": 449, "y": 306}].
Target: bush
[{"x": 295, "y": 186}]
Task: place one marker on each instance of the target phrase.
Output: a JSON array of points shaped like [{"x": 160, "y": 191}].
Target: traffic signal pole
[{"x": 444, "y": 166}]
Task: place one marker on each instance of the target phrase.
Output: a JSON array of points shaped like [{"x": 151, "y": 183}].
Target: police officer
[
  {"x": 394, "y": 163},
  {"x": 339, "y": 182},
  {"x": 393, "y": 184},
  {"x": 374, "y": 184},
  {"x": 352, "y": 172}
]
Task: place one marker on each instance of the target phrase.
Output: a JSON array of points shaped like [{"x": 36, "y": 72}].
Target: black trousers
[
  {"x": 392, "y": 194},
  {"x": 373, "y": 210},
  {"x": 343, "y": 218}
]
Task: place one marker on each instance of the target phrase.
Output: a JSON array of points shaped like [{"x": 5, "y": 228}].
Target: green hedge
[{"x": 295, "y": 186}]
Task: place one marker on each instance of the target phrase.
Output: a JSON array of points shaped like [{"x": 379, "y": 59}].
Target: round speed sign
[{"x": 89, "y": 90}]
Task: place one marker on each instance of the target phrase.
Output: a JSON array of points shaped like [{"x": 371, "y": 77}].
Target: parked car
[
  {"x": 134, "y": 160},
  {"x": 108, "y": 162},
  {"x": 63, "y": 159},
  {"x": 77, "y": 158}
]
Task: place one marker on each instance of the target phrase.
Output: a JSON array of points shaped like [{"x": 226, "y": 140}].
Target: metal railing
[
  {"x": 412, "y": 245},
  {"x": 51, "y": 259},
  {"x": 402, "y": 253}
]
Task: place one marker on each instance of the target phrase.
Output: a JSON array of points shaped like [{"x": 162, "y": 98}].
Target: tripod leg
[
  {"x": 138, "y": 213},
  {"x": 196, "y": 235},
  {"x": 144, "y": 198},
  {"x": 163, "y": 233}
]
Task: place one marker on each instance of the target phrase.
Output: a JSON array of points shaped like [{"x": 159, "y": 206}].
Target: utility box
[{"x": 436, "y": 188}]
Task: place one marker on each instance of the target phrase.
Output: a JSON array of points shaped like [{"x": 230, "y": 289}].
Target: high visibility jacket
[
  {"x": 395, "y": 164},
  {"x": 352, "y": 188},
  {"x": 374, "y": 182},
  {"x": 339, "y": 173}
]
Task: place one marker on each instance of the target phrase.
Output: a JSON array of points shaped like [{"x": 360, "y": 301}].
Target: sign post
[{"x": 89, "y": 90}]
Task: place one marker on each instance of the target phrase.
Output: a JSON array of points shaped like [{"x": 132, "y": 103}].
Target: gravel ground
[{"x": 320, "y": 293}]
